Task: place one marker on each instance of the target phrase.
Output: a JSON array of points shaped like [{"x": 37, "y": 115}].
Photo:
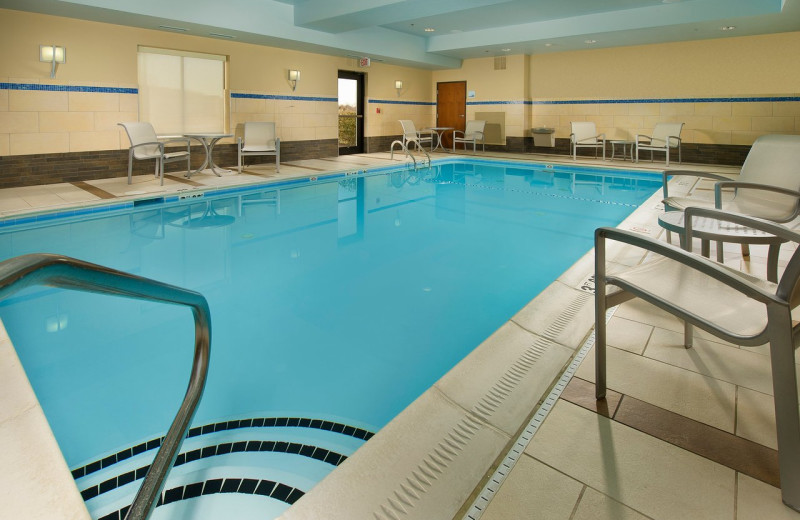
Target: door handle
[{"x": 461, "y": 115}]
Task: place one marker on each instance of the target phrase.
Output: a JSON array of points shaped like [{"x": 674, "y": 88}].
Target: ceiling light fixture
[
  {"x": 171, "y": 28},
  {"x": 589, "y": 42},
  {"x": 429, "y": 29},
  {"x": 506, "y": 50},
  {"x": 226, "y": 36},
  {"x": 548, "y": 44},
  {"x": 727, "y": 28}
]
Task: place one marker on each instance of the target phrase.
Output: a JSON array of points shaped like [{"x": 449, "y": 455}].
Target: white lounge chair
[
  {"x": 411, "y": 135},
  {"x": 768, "y": 186},
  {"x": 584, "y": 135},
  {"x": 665, "y": 137},
  {"x": 472, "y": 133},
  {"x": 146, "y": 145},
  {"x": 727, "y": 303},
  {"x": 259, "y": 139}
]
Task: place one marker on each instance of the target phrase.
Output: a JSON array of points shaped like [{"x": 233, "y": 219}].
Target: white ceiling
[{"x": 395, "y": 30}]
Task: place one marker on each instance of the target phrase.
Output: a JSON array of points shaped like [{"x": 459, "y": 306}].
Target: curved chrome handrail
[{"x": 69, "y": 273}]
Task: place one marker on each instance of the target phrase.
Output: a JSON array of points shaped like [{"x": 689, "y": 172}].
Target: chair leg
[
  {"x": 130, "y": 169},
  {"x": 240, "y": 161},
  {"x": 278, "y": 160},
  {"x": 787, "y": 417},
  {"x": 600, "y": 317},
  {"x": 161, "y": 171}
]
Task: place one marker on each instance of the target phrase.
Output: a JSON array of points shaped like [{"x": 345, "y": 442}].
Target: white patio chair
[
  {"x": 259, "y": 139},
  {"x": 411, "y": 135},
  {"x": 731, "y": 305},
  {"x": 146, "y": 145},
  {"x": 768, "y": 186},
  {"x": 584, "y": 135},
  {"x": 665, "y": 137},
  {"x": 472, "y": 133}
]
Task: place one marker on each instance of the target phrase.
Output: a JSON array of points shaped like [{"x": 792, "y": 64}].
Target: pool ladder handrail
[
  {"x": 68, "y": 273},
  {"x": 408, "y": 152}
]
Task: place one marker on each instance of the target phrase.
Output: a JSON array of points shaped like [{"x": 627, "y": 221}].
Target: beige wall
[
  {"x": 754, "y": 66},
  {"x": 496, "y": 91},
  {"x": 104, "y": 55}
]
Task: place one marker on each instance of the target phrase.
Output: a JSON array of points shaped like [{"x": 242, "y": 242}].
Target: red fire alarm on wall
[
  {"x": 378, "y": 110},
  {"x": 363, "y": 62}
]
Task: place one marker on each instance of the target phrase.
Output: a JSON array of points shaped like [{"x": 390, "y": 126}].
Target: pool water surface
[{"x": 338, "y": 301}]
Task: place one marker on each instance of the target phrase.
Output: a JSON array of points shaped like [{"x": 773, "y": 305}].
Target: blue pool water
[{"x": 338, "y": 301}]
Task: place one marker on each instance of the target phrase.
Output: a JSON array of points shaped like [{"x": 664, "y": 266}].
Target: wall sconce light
[
  {"x": 54, "y": 55},
  {"x": 294, "y": 77},
  {"x": 399, "y": 86}
]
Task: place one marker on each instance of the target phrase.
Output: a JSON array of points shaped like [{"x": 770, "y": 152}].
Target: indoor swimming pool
[{"x": 334, "y": 304}]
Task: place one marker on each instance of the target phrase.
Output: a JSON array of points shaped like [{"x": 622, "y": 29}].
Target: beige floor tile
[
  {"x": 549, "y": 308},
  {"x": 511, "y": 349},
  {"x": 643, "y": 312},
  {"x": 534, "y": 490},
  {"x": 758, "y": 501},
  {"x": 650, "y": 476},
  {"x": 724, "y": 362},
  {"x": 755, "y": 417},
  {"x": 628, "y": 335},
  {"x": 681, "y": 391},
  {"x": 13, "y": 204},
  {"x": 597, "y": 506}
]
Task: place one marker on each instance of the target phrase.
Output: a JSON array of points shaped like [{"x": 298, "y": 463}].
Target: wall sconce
[
  {"x": 52, "y": 54},
  {"x": 399, "y": 86},
  {"x": 294, "y": 77}
]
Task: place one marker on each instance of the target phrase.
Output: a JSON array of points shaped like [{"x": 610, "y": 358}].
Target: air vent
[{"x": 500, "y": 63}]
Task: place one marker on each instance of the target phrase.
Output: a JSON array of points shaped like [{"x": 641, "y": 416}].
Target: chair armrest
[
  {"x": 686, "y": 258},
  {"x": 239, "y": 142},
  {"x": 160, "y": 145},
  {"x": 602, "y": 136},
  {"x": 184, "y": 140},
  {"x": 641, "y": 138},
  {"x": 458, "y": 132},
  {"x": 674, "y": 173},
  {"x": 676, "y": 138}
]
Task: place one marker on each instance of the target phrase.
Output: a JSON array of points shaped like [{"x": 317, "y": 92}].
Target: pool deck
[{"x": 683, "y": 433}]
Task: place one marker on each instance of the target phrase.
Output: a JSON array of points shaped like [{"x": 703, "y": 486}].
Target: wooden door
[{"x": 451, "y": 108}]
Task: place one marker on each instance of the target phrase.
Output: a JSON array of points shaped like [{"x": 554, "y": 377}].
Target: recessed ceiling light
[
  {"x": 727, "y": 28},
  {"x": 590, "y": 41},
  {"x": 220, "y": 35},
  {"x": 548, "y": 44},
  {"x": 429, "y": 29},
  {"x": 172, "y": 28},
  {"x": 505, "y": 50}
]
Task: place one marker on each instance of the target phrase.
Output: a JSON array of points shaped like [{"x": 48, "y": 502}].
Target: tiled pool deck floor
[{"x": 683, "y": 434}]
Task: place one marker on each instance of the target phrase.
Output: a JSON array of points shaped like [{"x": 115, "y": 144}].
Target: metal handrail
[{"x": 69, "y": 273}]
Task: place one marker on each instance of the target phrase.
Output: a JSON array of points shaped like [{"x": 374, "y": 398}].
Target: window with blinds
[{"x": 181, "y": 92}]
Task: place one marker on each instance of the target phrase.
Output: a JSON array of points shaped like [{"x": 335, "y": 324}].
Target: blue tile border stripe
[
  {"x": 400, "y": 102},
  {"x": 762, "y": 99},
  {"x": 67, "y": 88},
  {"x": 235, "y": 95},
  {"x": 755, "y": 99}
]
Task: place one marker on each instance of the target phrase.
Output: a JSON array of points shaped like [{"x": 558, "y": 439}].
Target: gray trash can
[{"x": 544, "y": 137}]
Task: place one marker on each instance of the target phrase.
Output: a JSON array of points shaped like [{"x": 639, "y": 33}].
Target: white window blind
[{"x": 181, "y": 92}]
